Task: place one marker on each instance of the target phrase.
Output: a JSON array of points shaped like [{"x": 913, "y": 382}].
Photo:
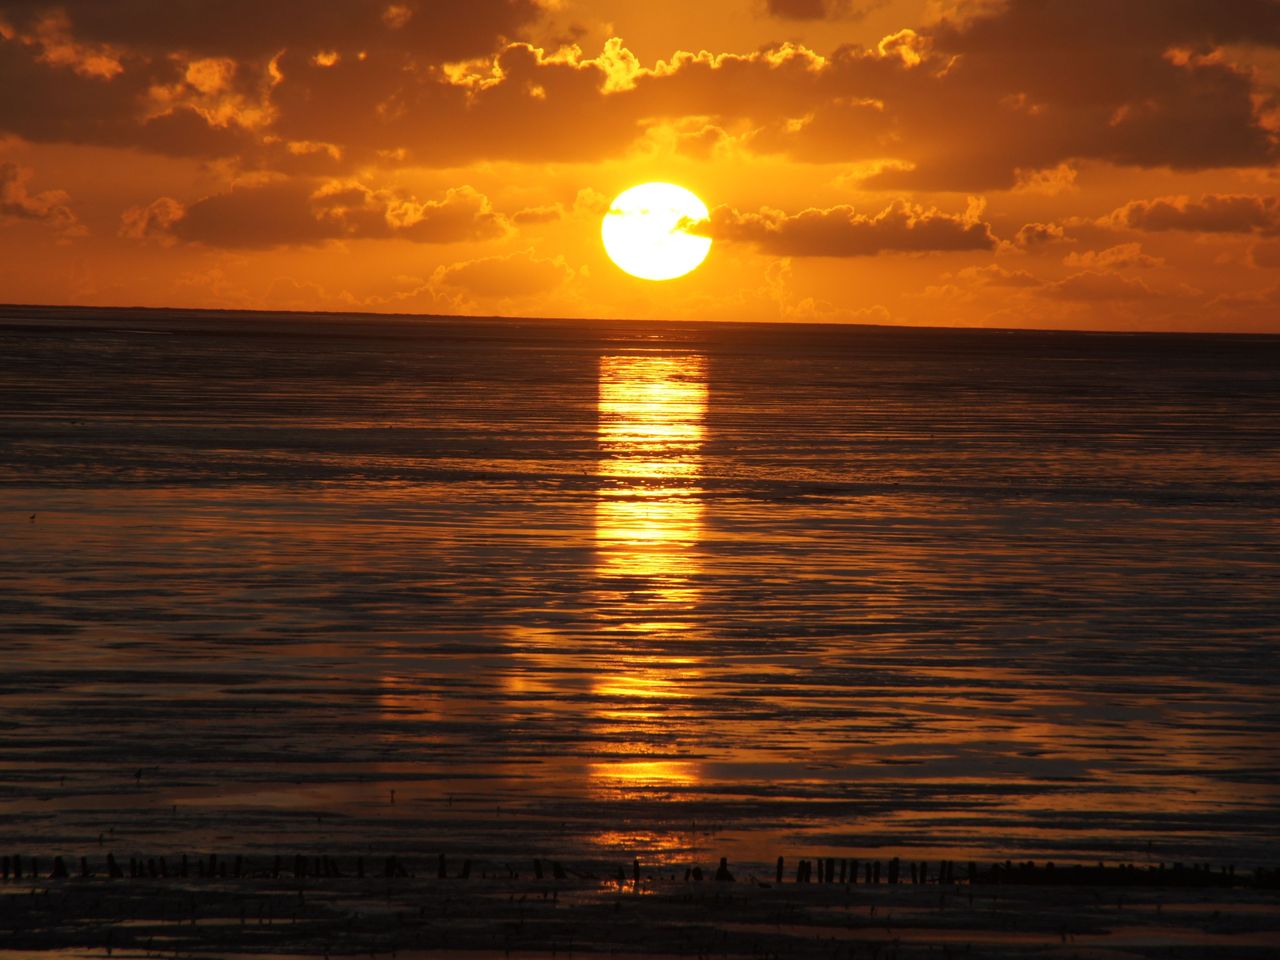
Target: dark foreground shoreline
[{"x": 325, "y": 906}]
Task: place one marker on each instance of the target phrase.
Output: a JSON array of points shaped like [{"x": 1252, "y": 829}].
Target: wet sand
[{"x": 502, "y": 910}]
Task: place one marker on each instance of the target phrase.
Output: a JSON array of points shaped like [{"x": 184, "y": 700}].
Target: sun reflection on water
[
  {"x": 648, "y": 525},
  {"x": 649, "y": 512}
]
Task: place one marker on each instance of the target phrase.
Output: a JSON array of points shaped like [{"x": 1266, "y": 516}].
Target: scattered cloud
[
  {"x": 282, "y": 212},
  {"x": 841, "y": 231},
  {"x": 504, "y": 277},
  {"x": 547, "y": 213},
  {"x": 1097, "y": 285},
  {"x": 1032, "y": 235},
  {"x": 1212, "y": 213},
  {"x": 152, "y": 222},
  {"x": 821, "y": 9},
  {"x": 1113, "y": 258},
  {"x": 51, "y": 207}
]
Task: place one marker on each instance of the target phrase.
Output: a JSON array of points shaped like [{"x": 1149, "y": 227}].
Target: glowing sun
[{"x": 644, "y": 234}]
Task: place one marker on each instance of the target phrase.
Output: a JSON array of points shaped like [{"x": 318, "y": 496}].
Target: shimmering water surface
[{"x": 591, "y": 589}]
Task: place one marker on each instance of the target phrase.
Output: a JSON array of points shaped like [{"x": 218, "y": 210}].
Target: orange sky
[{"x": 1051, "y": 163}]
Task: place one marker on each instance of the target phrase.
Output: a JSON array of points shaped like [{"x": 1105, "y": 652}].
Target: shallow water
[{"x": 599, "y": 589}]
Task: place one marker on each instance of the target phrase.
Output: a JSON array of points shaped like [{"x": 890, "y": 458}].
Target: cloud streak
[{"x": 841, "y": 231}]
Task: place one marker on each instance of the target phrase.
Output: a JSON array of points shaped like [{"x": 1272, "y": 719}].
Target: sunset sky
[{"x": 1029, "y": 163}]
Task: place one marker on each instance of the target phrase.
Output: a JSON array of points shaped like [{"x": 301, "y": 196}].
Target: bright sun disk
[{"x": 645, "y": 231}]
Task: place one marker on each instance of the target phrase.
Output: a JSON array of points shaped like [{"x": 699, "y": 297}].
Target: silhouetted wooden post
[
  {"x": 557, "y": 870},
  {"x": 779, "y": 874},
  {"x": 59, "y": 869},
  {"x": 875, "y": 873},
  {"x": 844, "y": 870},
  {"x": 113, "y": 868},
  {"x": 924, "y": 871},
  {"x": 466, "y": 869},
  {"x": 893, "y": 870},
  {"x": 84, "y": 868},
  {"x": 722, "y": 874}
]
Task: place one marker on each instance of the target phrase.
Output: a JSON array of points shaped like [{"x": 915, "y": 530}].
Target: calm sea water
[{"x": 599, "y": 589}]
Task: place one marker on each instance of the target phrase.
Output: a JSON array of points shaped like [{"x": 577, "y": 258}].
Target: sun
[{"x": 644, "y": 231}]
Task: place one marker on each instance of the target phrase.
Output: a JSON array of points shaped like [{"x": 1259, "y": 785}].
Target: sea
[{"x": 595, "y": 590}]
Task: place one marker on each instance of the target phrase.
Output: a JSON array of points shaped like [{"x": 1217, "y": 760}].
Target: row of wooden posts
[{"x": 827, "y": 870}]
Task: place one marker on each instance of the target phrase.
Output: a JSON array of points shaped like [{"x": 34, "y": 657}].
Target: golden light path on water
[
  {"x": 648, "y": 521},
  {"x": 513, "y": 589}
]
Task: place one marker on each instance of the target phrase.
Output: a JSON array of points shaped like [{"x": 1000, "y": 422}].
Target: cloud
[
  {"x": 1092, "y": 285},
  {"x": 1113, "y": 258},
  {"x": 442, "y": 29},
  {"x": 300, "y": 212},
  {"x": 1038, "y": 234},
  {"x": 994, "y": 275},
  {"x": 514, "y": 275},
  {"x": 1030, "y": 85},
  {"x": 1266, "y": 254},
  {"x": 153, "y": 222},
  {"x": 1049, "y": 182},
  {"x": 994, "y": 97},
  {"x": 1212, "y": 213},
  {"x": 548, "y": 213},
  {"x": 51, "y": 207},
  {"x": 820, "y": 9},
  {"x": 840, "y": 231}
]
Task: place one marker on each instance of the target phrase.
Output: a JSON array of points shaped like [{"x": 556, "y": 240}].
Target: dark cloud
[
  {"x": 1212, "y": 213},
  {"x": 429, "y": 29},
  {"x": 17, "y": 202},
  {"x": 820, "y": 9},
  {"x": 524, "y": 106},
  {"x": 59, "y": 104},
  {"x": 300, "y": 212},
  {"x": 1031, "y": 235},
  {"x": 1011, "y": 94},
  {"x": 1033, "y": 84},
  {"x": 842, "y": 232}
]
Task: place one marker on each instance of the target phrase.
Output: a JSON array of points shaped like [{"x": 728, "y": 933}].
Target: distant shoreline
[{"x": 10, "y": 312}]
